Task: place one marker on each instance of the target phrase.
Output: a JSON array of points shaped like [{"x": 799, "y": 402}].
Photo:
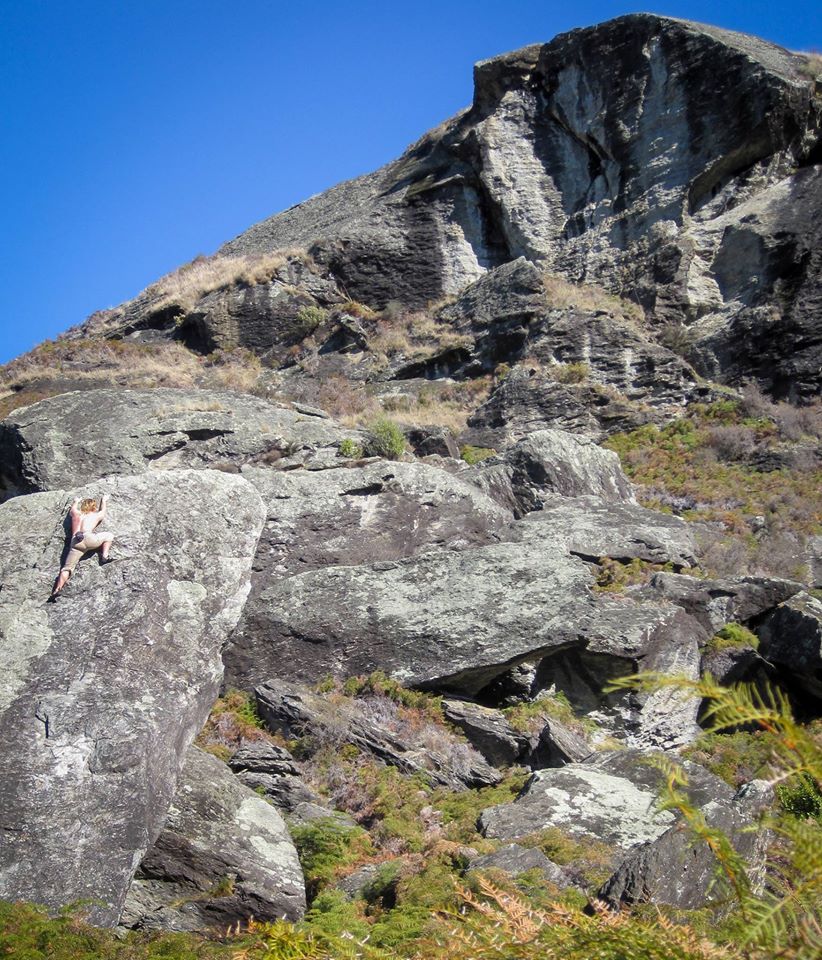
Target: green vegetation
[
  {"x": 783, "y": 917},
  {"x": 473, "y": 455},
  {"x": 733, "y": 636},
  {"x": 418, "y": 906},
  {"x": 568, "y": 372},
  {"x": 350, "y": 449},
  {"x": 428, "y": 704},
  {"x": 233, "y": 721},
  {"x": 530, "y": 715},
  {"x": 308, "y": 319},
  {"x": 386, "y": 439},
  {"x": 326, "y": 847},
  {"x": 703, "y": 466},
  {"x": 614, "y": 576},
  {"x": 736, "y": 757},
  {"x": 28, "y": 933}
]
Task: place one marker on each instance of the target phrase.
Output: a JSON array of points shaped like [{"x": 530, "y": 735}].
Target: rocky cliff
[{"x": 355, "y": 467}]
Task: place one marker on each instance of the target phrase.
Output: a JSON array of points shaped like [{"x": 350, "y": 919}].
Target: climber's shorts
[{"x": 81, "y": 544}]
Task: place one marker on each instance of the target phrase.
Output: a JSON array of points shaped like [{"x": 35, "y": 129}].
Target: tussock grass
[
  {"x": 55, "y": 367},
  {"x": 189, "y": 283},
  {"x": 562, "y": 294}
]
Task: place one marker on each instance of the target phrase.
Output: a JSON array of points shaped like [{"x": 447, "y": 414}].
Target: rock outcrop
[
  {"x": 515, "y": 860},
  {"x": 79, "y": 437},
  {"x": 675, "y": 869},
  {"x": 611, "y": 797},
  {"x": 447, "y": 620},
  {"x": 374, "y": 725},
  {"x": 382, "y": 511},
  {"x": 223, "y": 857},
  {"x": 550, "y": 462},
  {"x": 102, "y": 693},
  {"x": 790, "y": 636},
  {"x": 682, "y": 175}
]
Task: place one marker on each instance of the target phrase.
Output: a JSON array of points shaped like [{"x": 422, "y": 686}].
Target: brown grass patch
[
  {"x": 55, "y": 367},
  {"x": 189, "y": 283},
  {"x": 562, "y": 294}
]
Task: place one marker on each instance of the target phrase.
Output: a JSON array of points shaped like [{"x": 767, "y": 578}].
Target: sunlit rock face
[
  {"x": 102, "y": 692},
  {"x": 673, "y": 162}
]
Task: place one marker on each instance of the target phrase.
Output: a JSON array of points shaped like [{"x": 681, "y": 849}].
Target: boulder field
[
  {"x": 274, "y": 577},
  {"x": 581, "y": 252}
]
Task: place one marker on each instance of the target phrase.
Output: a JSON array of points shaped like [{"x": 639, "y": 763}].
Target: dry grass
[
  {"x": 55, "y": 367},
  {"x": 103, "y": 360},
  {"x": 812, "y": 67},
  {"x": 440, "y": 405},
  {"x": 562, "y": 294},
  {"x": 187, "y": 284},
  {"x": 414, "y": 335}
]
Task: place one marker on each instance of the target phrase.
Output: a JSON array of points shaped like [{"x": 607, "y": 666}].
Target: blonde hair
[{"x": 88, "y": 505}]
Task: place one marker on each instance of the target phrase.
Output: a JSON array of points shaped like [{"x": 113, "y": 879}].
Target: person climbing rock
[{"x": 84, "y": 517}]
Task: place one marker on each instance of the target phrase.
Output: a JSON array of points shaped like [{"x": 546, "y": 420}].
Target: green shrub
[
  {"x": 569, "y": 372},
  {"x": 350, "y": 448},
  {"x": 233, "y": 720},
  {"x": 429, "y": 704},
  {"x": 386, "y": 439},
  {"x": 800, "y": 796},
  {"x": 530, "y": 715},
  {"x": 733, "y": 636},
  {"x": 460, "y": 811},
  {"x": 326, "y": 847},
  {"x": 308, "y": 319},
  {"x": 472, "y": 455},
  {"x": 736, "y": 757}
]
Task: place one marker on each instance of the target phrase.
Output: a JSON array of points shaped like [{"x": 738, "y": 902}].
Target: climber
[{"x": 84, "y": 517}]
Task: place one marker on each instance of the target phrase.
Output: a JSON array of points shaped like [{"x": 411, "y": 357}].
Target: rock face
[
  {"x": 592, "y": 528},
  {"x": 717, "y": 602},
  {"x": 674, "y": 870},
  {"x": 78, "y": 437},
  {"x": 379, "y": 512},
  {"x": 450, "y": 620},
  {"x": 515, "y": 860},
  {"x": 552, "y": 462},
  {"x": 611, "y": 797},
  {"x": 791, "y": 637},
  {"x": 102, "y": 693},
  {"x": 224, "y": 856},
  {"x": 683, "y": 174},
  {"x": 272, "y": 772},
  {"x": 375, "y": 726},
  {"x": 488, "y": 731},
  {"x": 526, "y": 401}
]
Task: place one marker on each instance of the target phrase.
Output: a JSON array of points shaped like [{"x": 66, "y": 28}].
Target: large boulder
[
  {"x": 679, "y": 869},
  {"x": 552, "y": 462},
  {"x": 77, "y": 437},
  {"x": 102, "y": 693},
  {"x": 717, "y": 602},
  {"x": 790, "y": 637},
  {"x": 224, "y": 856},
  {"x": 456, "y": 620},
  {"x": 380, "y": 511},
  {"x": 487, "y": 730},
  {"x": 593, "y": 528},
  {"x": 611, "y": 797}
]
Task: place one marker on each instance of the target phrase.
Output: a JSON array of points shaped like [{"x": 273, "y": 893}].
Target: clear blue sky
[{"x": 136, "y": 135}]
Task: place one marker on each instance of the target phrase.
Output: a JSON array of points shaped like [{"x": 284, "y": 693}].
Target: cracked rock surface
[{"x": 102, "y": 693}]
